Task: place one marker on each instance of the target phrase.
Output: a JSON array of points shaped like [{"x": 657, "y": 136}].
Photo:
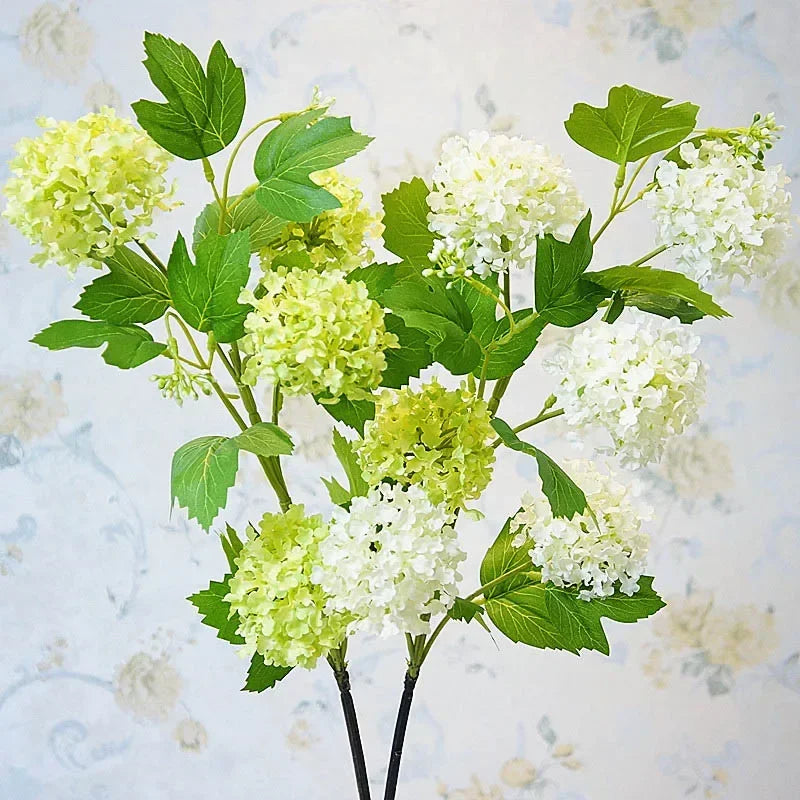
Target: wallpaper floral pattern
[{"x": 110, "y": 688}]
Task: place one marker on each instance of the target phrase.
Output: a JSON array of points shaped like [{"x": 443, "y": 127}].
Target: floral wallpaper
[{"x": 110, "y": 688}]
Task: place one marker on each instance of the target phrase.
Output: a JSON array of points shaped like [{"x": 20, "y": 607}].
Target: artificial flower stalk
[{"x": 372, "y": 338}]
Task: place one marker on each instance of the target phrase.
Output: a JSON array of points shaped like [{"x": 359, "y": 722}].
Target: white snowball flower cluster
[
  {"x": 727, "y": 214},
  {"x": 600, "y": 554},
  {"x": 393, "y": 557},
  {"x": 638, "y": 379},
  {"x": 492, "y": 198}
]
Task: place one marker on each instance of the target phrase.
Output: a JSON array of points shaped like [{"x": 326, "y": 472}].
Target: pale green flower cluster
[
  {"x": 435, "y": 438},
  {"x": 282, "y": 612},
  {"x": 83, "y": 188},
  {"x": 338, "y": 238},
  {"x": 315, "y": 333}
]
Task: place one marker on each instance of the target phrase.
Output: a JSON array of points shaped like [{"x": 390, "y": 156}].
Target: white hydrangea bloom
[
  {"x": 393, "y": 557},
  {"x": 600, "y": 555},
  {"x": 638, "y": 379},
  {"x": 493, "y": 197},
  {"x": 726, "y": 216}
]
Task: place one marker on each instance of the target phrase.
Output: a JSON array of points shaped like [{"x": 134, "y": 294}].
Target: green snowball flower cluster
[
  {"x": 84, "y": 188},
  {"x": 435, "y": 438},
  {"x": 315, "y": 333},
  {"x": 282, "y": 612},
  {"x": 338, "y": 238}
]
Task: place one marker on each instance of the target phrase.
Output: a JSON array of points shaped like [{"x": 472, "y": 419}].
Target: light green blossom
[
  {"x": 83, "y": 188},
  {"x": 282, "y": 612},
  {"x": 435, "y": 438},
  {"x": 315, "y": 333},
  {"x": 338, "y": 238}
]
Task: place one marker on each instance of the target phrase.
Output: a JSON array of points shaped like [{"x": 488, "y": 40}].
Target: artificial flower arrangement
[{"x": 320, "y": 316}]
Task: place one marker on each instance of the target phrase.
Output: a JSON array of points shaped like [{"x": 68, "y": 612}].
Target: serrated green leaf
[
  {"x": 347, "y": 458},
  {"x": 216, "y": 612},
  {"x": 658, "y": 282},
  {"x": 265, "y": 439},
  {"x": 202, "y": 472},
  {"x": 562, "y": 296},
  {"x": 408, "y": 360},
  {"x": 203, "y": 111},
  {"x": 353, "y": 413},
  {"x": 295, "y": 149},
  {"x": 248, "y": 215},
  {"x": 231, "y": 546},
  {"x": 405, "y": 220},
  {"x": 664, "y": 306},
  {"x": 503, "y": 559},
  {"x": 633, "y": 125},
  {"x": 338, "y": 494},
  {"x": 133, "y": 291},
  {"x": 261, "y": 676},
  {"x": 127, "y": 345},
  {"x": 206, "y": 294},
  {"x": 380, "y": 277},
  {"x": 507, "y": 358},
  {"x": 565, "y": 496},
  {"x": 464, "y": 610}
]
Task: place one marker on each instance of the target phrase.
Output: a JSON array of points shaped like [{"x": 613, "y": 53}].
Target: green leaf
[
  {"x": 633, "y": 125},
  {"x": 464, "y": 610},
  {"x": 265, "y": 439},
  {"x": 408, "y": 360},
  {"x": 380, "y": 277},
  {"x": 427, "y": 305},
  {"x": 203, "y": 111},
  {"x": 338, "y": 494},
  {"x": 615, "y": 308},
  {"x": 347, "y": 458},
  {"x": 206, "y": 294},
  {"x": 507, "y": 358},
  {"x": 562, "y": 296},
  {"x": 503, "y": 559},
  {"x": 202, "y": 472},
  {"x": 295, "y": 149},
  {"x": 248, "y": 215},
  {"x": 133, "y": 291},
  {"x": 261, "y": 676},
  {"x": 565, "y": 496},
  {"x": 216, "y": 612},
  {"x": 658, "y": 282},
  {"x": 405, "y": 220},
  {"x": 663, "y": 306},
  {"x": 353, "y": 413},
  {"x": 231, "y": 546},
  {"x": 579, "y": 621},
  {"x": 128, "y": 345}
]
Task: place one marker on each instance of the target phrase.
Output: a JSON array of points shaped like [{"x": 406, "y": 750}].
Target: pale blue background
[{"x": 111, "y": 689}]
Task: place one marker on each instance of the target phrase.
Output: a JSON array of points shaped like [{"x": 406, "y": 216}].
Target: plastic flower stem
[
  {"x": 336, "y": 659},
  {"x": 152, "y": 256},
  {"x": 651, "y": 254},
  {"x": 399, "y": 736},
  {"x": 627, "y": 190}
]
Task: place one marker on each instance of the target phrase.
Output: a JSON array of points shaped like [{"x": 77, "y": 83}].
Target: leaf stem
[{"x": 651, "y": 254}]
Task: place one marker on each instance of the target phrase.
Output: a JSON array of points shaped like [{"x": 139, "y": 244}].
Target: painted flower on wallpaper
[
  {"x": 102, "y": 93},
  {"x": 147, "y": 687},
  {"x": 698, "y": 466},
  {"x": 696, "y": 637},
  {"x": 701, "y": 774},
  {"x": 191, "y": 735},
  {"x": 56, "y": 41},
  {"x": 780, "y": 294},
  {"x": 30, "y": 405},
  {"x": 309, "y": 425}
]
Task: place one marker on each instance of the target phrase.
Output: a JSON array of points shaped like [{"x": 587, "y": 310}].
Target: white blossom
[
  {"x": 493, "y": 197},
  {"x": 600, "y": 554},
  {"x": 726, "y": 214},
  {"x": 638, "y": 379},
  {"x": 393, "y": 557}
]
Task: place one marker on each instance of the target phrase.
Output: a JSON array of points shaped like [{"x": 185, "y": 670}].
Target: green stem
[{"x": 651, "y": 254}]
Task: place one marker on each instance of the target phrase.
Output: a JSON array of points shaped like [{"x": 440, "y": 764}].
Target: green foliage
[
  {"x": 615, "y": 308},
  {"x": 657, "y": 283},
  {"x": 408, "y": 360},
  {"x": 290, "y": 152},
  {"x": 465, "y": 610},
  {"x": 633, "y": 125},
  {"x": 265, "y": 439},
  {"x": 353, "y": 413},
  {"x": 204, "y": 469},
  {"x": 248, "y": 215},
  {"x": 545, "y": 616},
  {"x": 563, "y": 297},
  {"x": 206, "y": 294},
  {"x": 203, "y": 111},
  {"x": 133, "y": 291},
  {"x": 564, "y": 495},
  {"x": 216, "y": 612},
  {"x": 261, "y": 676},
  {"x": 405, "y": 220},
  {"x": 357, "y": 486},
  {"x": 127, "y": 345},
  {"x": 663, "y": 306},
  {"x": 231, "y": 546}
]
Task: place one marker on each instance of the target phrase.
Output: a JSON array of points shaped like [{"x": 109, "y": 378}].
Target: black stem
[
  {"x": 399, "y": 736},
  {"x": 351, "y": 721}
]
